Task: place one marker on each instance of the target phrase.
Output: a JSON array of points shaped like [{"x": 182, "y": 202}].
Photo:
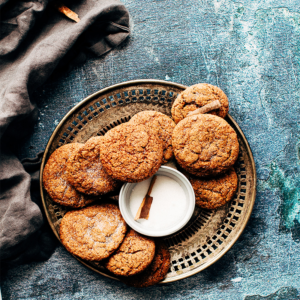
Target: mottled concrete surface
[{"x": 251, "y": 50}]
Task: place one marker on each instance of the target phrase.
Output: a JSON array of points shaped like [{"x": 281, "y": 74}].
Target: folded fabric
[{"x": 35, "y": 41}]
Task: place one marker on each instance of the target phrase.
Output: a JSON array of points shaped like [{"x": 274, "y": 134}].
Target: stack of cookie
[
  {"x": 98, "y": 233},
  {"x": 205, "y": 145},
  {"x": 76, "y": 175}
]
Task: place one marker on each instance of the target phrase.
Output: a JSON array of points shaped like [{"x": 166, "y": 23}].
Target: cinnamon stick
[
  {"x": 144, "y": 209},
  {"x": 206, "y": 108},
  {"x": 66, "y": 11}
]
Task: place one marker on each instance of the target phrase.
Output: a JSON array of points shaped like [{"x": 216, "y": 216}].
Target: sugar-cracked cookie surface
[
  {"x": 212, "y": 193},
  {"x": 162, "y": 125},
  {"x": 55, "y": 178},
  {"x": 205, "y": 145},
  {"x": 131, "y": 153},
  {"x": 197, "y": 96},
  {"x": 134, "y": 255},
  {"x": 85, "y": 171},
  {"x": 93, "y": 233},
  {"x": 155, "y": 273}
]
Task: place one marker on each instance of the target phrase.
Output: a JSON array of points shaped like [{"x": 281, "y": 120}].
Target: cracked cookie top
[
  {"x": 134, "y": 255},
  {"x": 155, "y": 273},
  {"x": 197, "y": 96},
  {"x": 55, "y": 178},
  {"x": 205, "y": 145},
  {"x": 131, "y": 153},
  {"x": 93, "y": 233},
  {"x": 163, "y": 127},
  {"x": 212, "y": 193},
  {"x": 85, "y": 171}
]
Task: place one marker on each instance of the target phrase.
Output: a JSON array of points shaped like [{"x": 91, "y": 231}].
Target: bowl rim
[{"x": 177, "y": 226}]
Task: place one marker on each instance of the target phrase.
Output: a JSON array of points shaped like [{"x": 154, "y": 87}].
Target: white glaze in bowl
[{"x": 124, "y": 204}]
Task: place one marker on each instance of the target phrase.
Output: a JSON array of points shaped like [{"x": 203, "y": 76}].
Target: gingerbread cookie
[
  {"x": 85, "y": 171},
  {"x": 134, "y": 255},
  {"x": 163, "y": 127},
  {"x": 131, "y": 153},
  {"x": 93, "y": 233},
  {"x": 197, "y": 96},
  {"x": 205, "y": 145},
  {"x": 155, "y": 273},
  {"x": 55, "y": 178},
  {"x": 212, "y": 193}
]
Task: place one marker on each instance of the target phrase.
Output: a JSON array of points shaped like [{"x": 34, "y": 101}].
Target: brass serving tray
[{"x": 209, "y": 234}]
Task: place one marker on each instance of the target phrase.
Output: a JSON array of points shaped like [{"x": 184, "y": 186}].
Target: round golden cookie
[
  {"x": 134, "y": 255},
  {"x": 212, "y": 193},
  {"x": 197, "y": 96},
  {"x": 93, "y": 233},
  {"x": 205, "y": 145},
  {"x": 131, "y": 153},
  {"x": 55, "y": 178},
  {"x": 155, "y": 273},
  {"x": 85, "y": 171},
  {"x": 163, "y": 127}
]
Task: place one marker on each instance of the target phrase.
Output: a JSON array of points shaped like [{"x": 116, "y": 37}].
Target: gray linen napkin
[{"x": 35, "y": 41}]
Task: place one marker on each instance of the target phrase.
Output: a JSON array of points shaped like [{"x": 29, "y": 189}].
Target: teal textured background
[{"x": 250, "y": 49}]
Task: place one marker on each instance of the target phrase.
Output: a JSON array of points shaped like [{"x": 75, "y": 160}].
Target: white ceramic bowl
[{"x": 124, "y": 198}]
